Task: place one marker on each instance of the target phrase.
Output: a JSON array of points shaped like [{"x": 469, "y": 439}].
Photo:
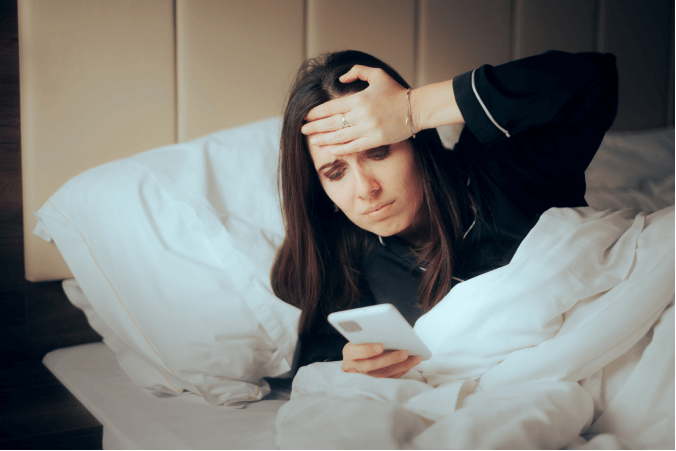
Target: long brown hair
[{"x": 318, "y": 265}]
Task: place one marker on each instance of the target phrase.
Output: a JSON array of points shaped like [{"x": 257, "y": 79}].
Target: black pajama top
[{"x": 532, "y": 127}]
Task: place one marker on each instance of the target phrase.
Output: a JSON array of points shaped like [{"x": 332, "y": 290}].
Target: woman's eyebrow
[
  {"x": 336, "y": 162},
  {"x": 328, "y": 165}
]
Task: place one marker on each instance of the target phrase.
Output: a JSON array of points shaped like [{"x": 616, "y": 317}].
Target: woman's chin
[{"x": 385, "y": 229}]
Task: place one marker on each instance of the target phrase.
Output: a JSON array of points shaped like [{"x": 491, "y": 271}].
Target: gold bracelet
[{"x": 409, "y": 118}]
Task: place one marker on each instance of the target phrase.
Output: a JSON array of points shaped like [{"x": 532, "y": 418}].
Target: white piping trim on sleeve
[
  {"x": 470, "y": 228},
  {"x": 473, "y": 222},
  {"x": 486, "y": 109}
]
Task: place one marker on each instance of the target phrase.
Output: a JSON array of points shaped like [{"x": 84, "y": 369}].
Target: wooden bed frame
[{"x": 102, "y": 80}]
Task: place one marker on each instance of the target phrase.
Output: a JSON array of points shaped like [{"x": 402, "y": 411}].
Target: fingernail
[{"x": 377, "y": 348}]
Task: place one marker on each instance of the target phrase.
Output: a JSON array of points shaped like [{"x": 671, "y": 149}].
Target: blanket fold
[{"x": 510, "y": 346}]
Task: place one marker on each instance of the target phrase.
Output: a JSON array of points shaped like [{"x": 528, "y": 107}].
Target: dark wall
[{"x": 12, "y": 287}]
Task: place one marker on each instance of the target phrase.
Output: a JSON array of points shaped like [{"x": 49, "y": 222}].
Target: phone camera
[{"x": 350, "y": 326}]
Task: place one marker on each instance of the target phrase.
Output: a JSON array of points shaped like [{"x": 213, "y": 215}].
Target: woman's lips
[{"x": 381, "y": 212}]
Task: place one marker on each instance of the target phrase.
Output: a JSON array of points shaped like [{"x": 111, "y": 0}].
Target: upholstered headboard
[{"x": 101, "y": 80}]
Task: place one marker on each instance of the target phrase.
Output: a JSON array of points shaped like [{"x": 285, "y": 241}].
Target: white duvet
[{"x": 571, "y": 345}]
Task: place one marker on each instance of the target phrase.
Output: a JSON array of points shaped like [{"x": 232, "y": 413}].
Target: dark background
[{"x": 36, "y": 411}]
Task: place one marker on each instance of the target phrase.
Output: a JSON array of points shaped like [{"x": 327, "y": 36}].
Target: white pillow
[
  {"x": 630, "y": 169},
  {"x": 628, "y": 159},
  {"x": 633, "y": 170},
  {"x": 173, "y": 248},
  {"x": 450, "y": 134}
]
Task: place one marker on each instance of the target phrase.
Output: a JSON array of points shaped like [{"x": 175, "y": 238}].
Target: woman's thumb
[{"x": 356, "y": 73}]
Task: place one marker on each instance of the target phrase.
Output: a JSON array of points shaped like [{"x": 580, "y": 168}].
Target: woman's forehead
[{"x": 322, "y": 156}]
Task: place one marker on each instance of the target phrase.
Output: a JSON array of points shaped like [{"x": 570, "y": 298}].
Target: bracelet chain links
[{"x": 409, "y": 118}]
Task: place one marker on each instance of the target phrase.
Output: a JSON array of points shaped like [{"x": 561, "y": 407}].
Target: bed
[{"x": 158, "y": 122}]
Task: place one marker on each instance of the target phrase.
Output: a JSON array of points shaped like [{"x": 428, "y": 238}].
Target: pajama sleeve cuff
[{"x": 468, "y": 89}]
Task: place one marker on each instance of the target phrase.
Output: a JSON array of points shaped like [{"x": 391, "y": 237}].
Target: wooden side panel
[
  {"x": 460, "y": 35},
  {"x": 235, "y": 60},
  {"x": 383, "y": 28},
  {"x": 97, "y": 84},
  {"x": 541, "y": 25},
  {"x": 638, "y": 33}
]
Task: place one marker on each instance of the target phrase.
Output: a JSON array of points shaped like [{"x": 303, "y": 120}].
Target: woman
[{"x": 376, "y": 210}]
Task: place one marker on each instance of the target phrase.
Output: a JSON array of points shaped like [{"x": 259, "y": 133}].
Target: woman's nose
[{"x": 367, "y": 185}]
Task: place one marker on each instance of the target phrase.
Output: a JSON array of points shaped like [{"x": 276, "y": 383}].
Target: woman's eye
[
  {"x": 380, "y": 155},
  {"x": 335, "y": 175}
]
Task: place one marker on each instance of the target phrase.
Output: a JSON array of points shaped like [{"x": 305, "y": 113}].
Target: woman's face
[{"x": 379, "y": 189}]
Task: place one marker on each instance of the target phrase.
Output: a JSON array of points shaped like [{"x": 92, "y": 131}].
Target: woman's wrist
[{"x": 434, "y": 105}]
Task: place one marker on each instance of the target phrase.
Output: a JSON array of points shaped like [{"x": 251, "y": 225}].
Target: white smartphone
[{"x": 381, "y": 323}]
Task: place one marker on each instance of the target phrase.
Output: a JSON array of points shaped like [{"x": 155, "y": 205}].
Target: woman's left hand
[{"x": 377, "y": 115}]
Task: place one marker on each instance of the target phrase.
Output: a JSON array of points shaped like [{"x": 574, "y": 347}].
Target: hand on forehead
[{"x": 364, "y": 120}]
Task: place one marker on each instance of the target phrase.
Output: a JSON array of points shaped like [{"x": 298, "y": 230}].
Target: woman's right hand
[
  {"x": 377, "y": 115},
  {"x": 372, "y": 360}
]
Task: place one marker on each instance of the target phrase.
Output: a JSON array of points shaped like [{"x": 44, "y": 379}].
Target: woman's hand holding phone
[
  {"x": 371, "y": 359},
  {"x": 380, "y": 341}
]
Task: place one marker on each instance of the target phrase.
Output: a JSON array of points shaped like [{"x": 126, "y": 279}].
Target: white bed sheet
[{"x": 134, "y": 419}]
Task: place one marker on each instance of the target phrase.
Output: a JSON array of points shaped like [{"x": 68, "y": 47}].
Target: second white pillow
[{"x": 173, "y": 248}]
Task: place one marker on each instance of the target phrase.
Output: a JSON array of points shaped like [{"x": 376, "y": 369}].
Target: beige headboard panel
[
  {"x": 105, "y": 79},
  {"x": 234, "y": 61},
  {"x": 97, "y": 83}
]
